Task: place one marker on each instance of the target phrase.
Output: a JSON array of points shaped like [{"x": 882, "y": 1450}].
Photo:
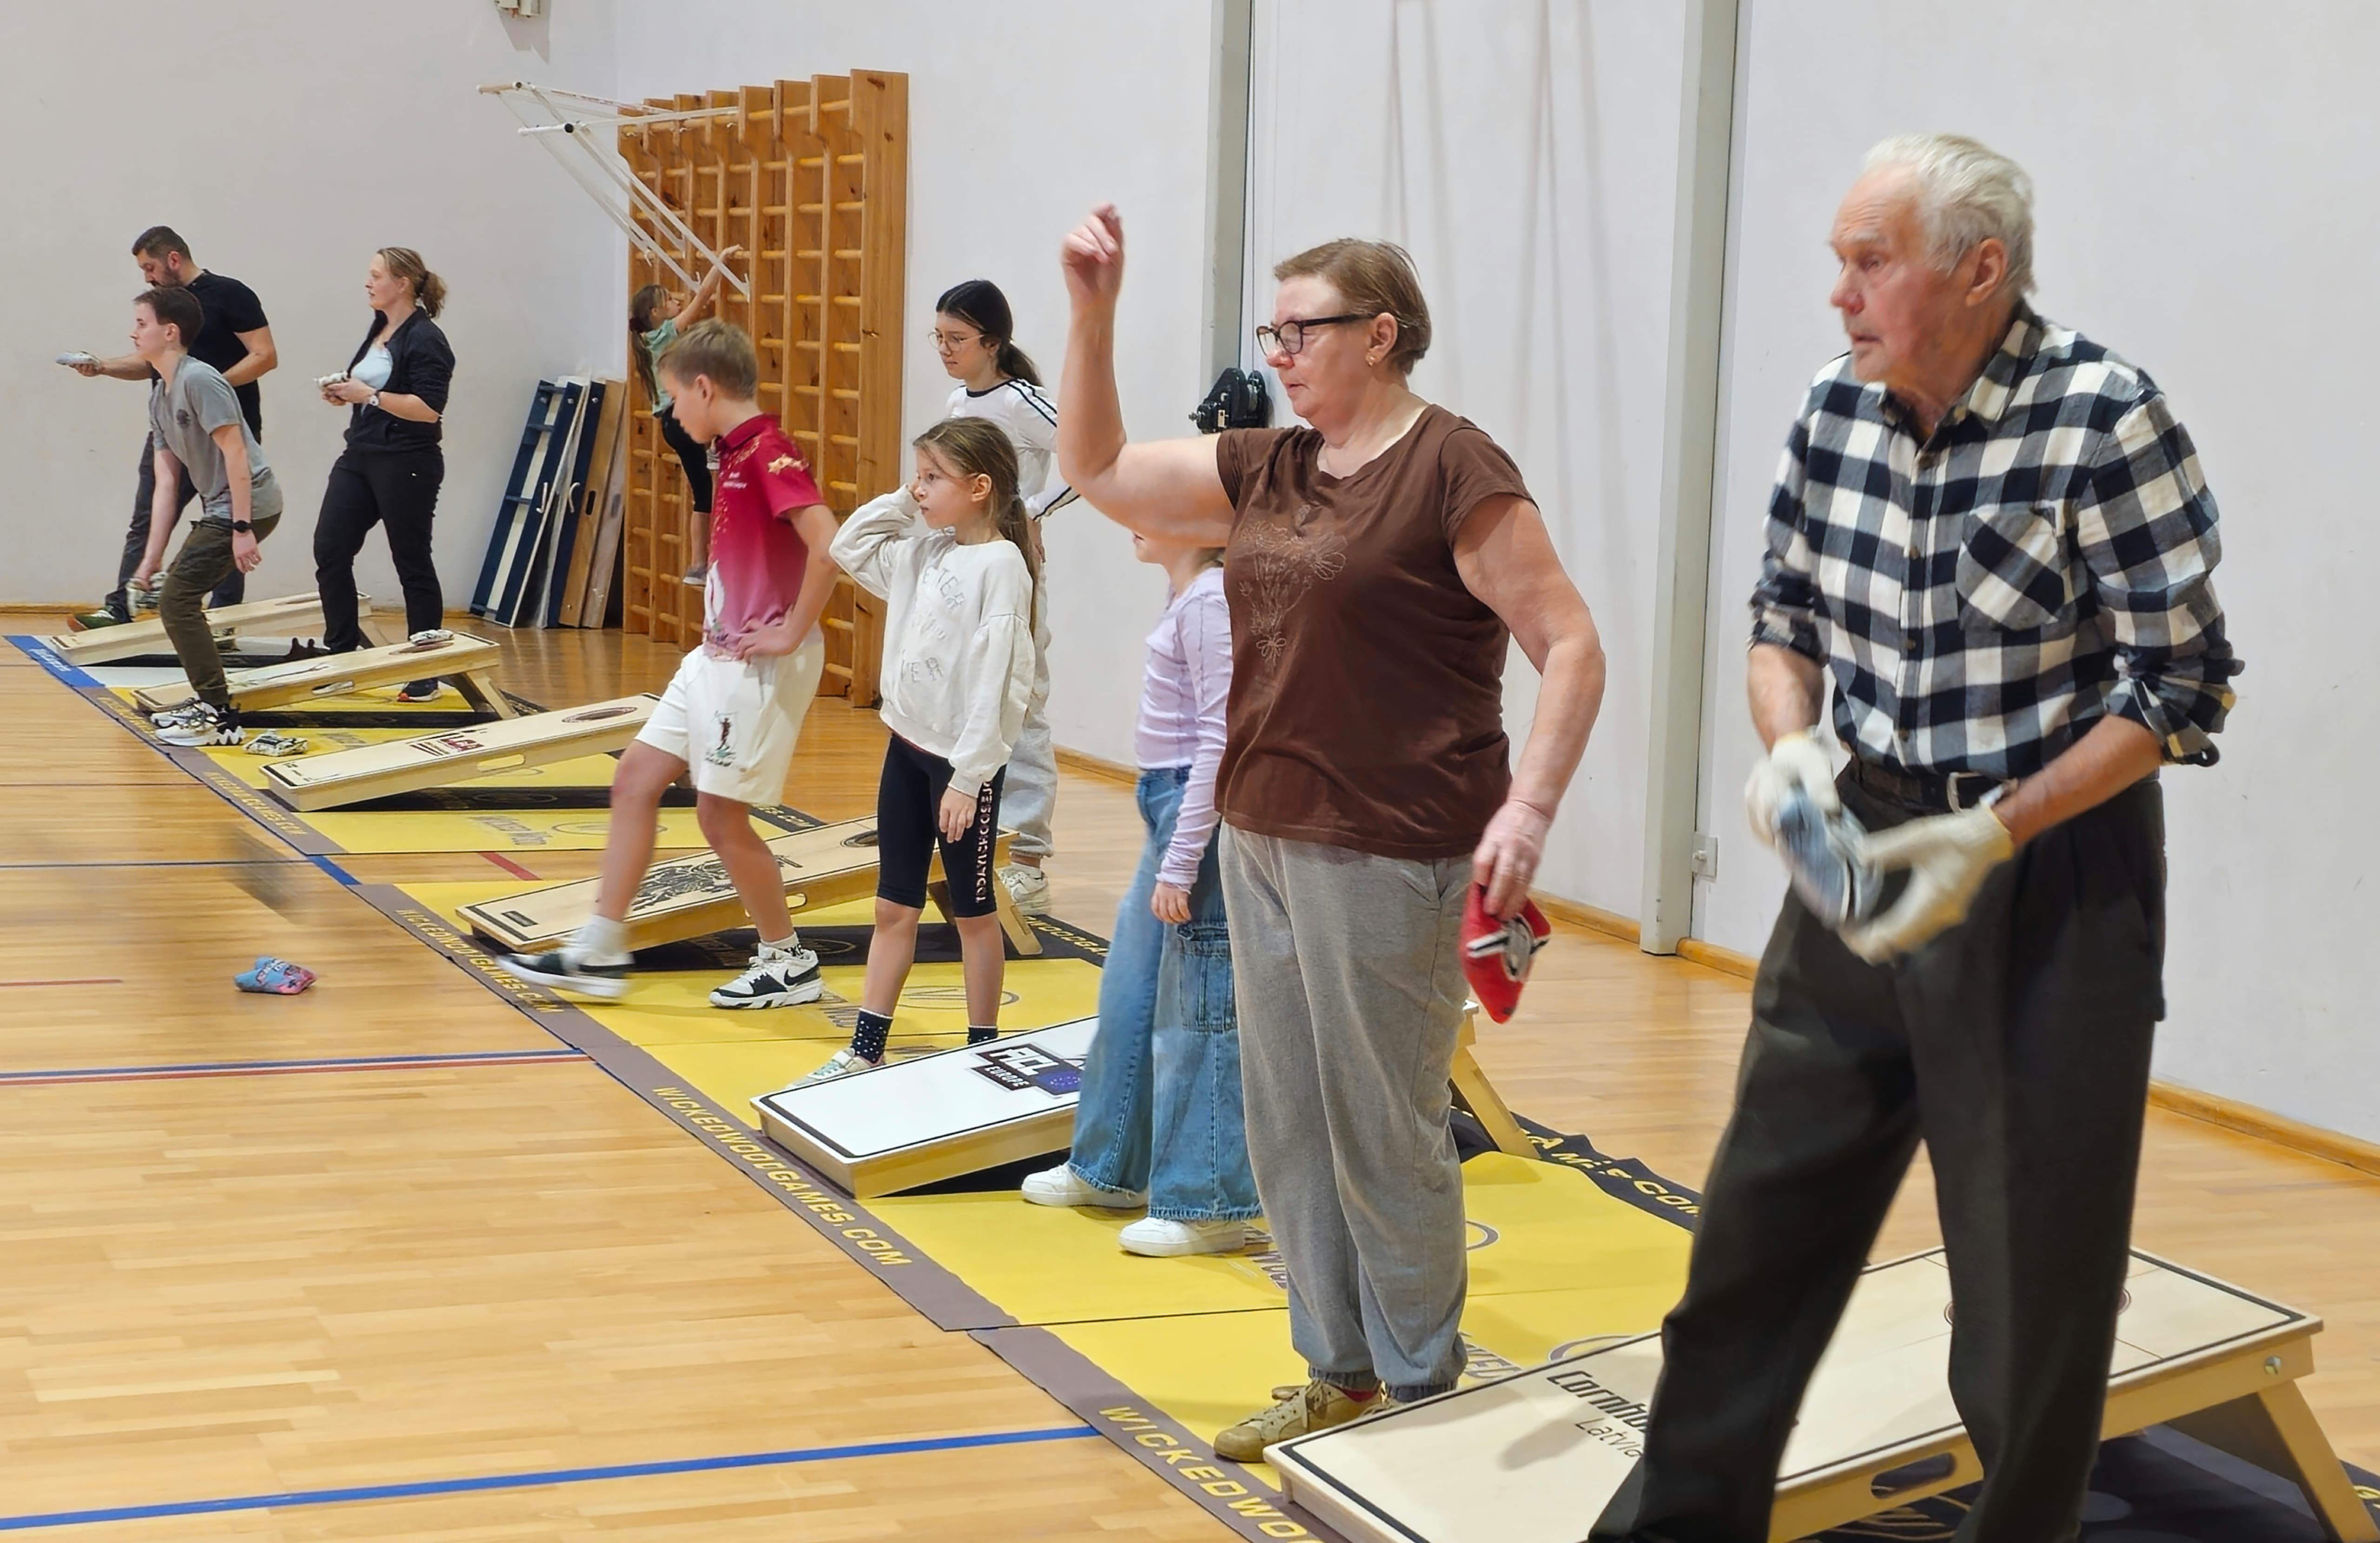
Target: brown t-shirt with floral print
[{"x": 1366, "y": 706}]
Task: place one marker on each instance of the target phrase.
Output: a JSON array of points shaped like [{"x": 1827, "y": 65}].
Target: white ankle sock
[
  {"x": 792, "y": 944},
  {"x": 602, "y": 940}
]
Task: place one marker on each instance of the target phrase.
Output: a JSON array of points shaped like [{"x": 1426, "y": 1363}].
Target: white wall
[
  {"x": 1023, "y": 115},
  {"x": 2199, "y": 172},
  {"x": 286, "y": 140},
  {"x": 1525, "y": 152}
]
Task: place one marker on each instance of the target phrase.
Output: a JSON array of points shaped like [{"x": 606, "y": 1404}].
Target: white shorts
[{"x": 733, "y": 723}]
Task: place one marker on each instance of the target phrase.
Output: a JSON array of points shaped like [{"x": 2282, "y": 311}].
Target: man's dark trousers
[{"x": 2016, "y": 1045}]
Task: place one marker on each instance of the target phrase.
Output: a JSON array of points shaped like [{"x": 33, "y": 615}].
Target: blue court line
[
  {"x": 333, "y": 869},
  {"x": 563, "y": 1053},
  {"x": 72, "y": 674},
  {"x": 535, "y": 1480}
]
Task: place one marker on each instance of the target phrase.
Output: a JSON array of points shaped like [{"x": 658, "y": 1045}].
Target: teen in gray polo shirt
[{"x": 196, "y": 424}]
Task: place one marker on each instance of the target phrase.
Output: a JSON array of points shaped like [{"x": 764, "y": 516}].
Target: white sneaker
[
  {"x": 1062, "y": 1186},
  {"x": 1160, "y": 1238},
  {"x": 179, "y": 713},
  {"x": 774, "y": 980},
  {"x": 842, "y": 1064},
  {"x": 1028, "y": 888},
  {"x": 206, "y": 726}
]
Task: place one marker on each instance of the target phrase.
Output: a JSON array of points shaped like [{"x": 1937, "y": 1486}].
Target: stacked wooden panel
[{"x": 811, "y": 178}]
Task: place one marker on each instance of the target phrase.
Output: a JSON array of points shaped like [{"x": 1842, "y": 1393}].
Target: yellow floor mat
[
  {"x": 1215, "y": 1369},
  {"x": 1535, "y": 1230}
]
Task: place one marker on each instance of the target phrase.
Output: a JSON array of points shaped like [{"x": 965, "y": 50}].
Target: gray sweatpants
[
  {"x": 1030, "y": 798},
  {"x": 1350, "y": 986}
]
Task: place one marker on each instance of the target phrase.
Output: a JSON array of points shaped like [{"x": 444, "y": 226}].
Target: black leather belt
[{"x": 1949, "y": 791}]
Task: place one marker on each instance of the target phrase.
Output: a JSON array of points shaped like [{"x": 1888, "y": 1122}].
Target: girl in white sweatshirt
[{"x": 952, "y": 557}]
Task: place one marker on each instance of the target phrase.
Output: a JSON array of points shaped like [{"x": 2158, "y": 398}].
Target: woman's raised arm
[{"x": 1169, "y": 488}]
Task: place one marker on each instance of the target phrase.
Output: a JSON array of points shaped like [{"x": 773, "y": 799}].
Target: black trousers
[
  {"x": 693, "y": 455},
  {"x": 908, "y": 828},
  {"x": 396, "y": 489},
  {"x": 231, "y": 592},
  {"x": 2016, "y": 1045}
]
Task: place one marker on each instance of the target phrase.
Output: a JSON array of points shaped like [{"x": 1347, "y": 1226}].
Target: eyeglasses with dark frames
[{"x": 1290, "y": 336}]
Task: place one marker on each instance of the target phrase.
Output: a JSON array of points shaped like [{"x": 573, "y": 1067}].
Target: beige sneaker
[{"x": 1316, "y": 1405}]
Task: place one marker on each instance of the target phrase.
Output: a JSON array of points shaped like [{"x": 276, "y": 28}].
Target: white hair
[{"x": 1967, "y": 193}]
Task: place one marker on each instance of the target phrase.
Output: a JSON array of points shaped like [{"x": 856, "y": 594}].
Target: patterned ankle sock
[
  {"x": 868, "y": 1039},
  {"x": 977, "y": 1035}
]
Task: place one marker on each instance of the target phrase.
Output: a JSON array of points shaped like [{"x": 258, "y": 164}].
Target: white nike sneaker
[
  {"x": 1161, "y": 1238},
  {"x": 1062, "y": 1186},
  {"x": 774, "y": 980}
]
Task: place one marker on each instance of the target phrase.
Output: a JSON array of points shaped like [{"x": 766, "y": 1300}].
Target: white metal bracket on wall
[{"x": 582, "y": 133}]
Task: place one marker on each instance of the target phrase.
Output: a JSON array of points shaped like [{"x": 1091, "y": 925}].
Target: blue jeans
[{"x": 1161, "y": 1104}]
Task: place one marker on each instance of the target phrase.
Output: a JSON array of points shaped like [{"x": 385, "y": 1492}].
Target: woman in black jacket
[{"x": 396, "y": 389}]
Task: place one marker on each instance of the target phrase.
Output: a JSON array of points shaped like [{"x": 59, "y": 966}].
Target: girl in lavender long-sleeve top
[{"x": 1159, "y": 1121}]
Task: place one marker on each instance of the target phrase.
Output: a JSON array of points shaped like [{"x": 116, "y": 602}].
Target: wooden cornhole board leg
[
  {"x": 1021, "y": 936},
  {"x": 2273, "y": 1429},
  {"x": 1477, "y": 1094},
  {"x": 480, "y": 689}
]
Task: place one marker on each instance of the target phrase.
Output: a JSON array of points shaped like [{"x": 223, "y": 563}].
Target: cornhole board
[
  {"x": 290, "y": 616},
  {"x": 958, "y": 1112},
  {"x": 692, "y": 897},
  {"x": 469, "y": 662},
  {"x": 342, "y": 777},
  {"x": 1534, "y": 1457},
  {"x": 936, "y": 1116}
]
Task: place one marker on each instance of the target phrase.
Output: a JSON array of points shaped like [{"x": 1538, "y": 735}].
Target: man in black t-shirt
[{"x": 236, "y": 341}]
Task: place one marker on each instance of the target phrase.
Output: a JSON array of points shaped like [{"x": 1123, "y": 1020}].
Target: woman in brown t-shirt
[{"x": 1376, "y": 562}]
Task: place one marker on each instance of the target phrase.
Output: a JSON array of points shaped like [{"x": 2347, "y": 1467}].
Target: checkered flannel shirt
[{"x": 1983, "y": 597}]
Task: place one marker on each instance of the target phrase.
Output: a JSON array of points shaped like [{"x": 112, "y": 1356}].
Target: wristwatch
[
  {"x": 373, "y": 400},
  {"x": 241, "y": 526}
]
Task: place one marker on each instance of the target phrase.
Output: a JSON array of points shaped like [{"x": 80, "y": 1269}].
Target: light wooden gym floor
[{"x": 296, "y": 1279}]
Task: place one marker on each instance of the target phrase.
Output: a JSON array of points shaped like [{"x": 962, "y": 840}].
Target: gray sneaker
[
  {"x": 179, "y": 713},
  {"x": 203, "y": 727}
]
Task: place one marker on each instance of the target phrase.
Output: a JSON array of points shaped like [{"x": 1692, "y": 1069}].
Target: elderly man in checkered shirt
[{"x": 1992, "y": 534}]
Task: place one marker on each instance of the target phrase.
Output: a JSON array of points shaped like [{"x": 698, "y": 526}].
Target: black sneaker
[
  {"x": 774, "y": 980},
  {"x": 419, "y": 691},
  {"x": 568, "y": 970}
]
